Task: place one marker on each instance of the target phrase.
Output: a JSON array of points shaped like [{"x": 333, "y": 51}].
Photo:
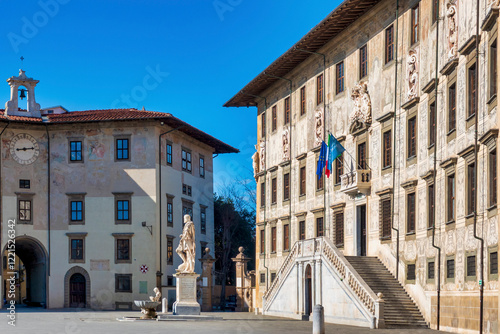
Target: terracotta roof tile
[{"x": 104, "y": 115}]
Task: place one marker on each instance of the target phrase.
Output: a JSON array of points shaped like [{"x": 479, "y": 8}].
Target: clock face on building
[{"x": 24, "y": 149}]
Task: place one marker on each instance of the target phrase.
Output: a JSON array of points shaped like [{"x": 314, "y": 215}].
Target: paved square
[{"x": 87, "y": 322}]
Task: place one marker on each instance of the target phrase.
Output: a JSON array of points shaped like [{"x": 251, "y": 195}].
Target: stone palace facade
[
  {"x": 415, "y": 188},
  {"x": 94, "y": 201}
]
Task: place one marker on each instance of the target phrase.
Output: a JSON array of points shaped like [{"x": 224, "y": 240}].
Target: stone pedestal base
[{"x": 186, "y": 303}]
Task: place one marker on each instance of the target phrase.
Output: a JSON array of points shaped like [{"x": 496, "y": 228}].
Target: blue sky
[{"x": 90, "y": 54}]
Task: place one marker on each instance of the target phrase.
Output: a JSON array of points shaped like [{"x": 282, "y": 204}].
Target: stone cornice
[
  {"x": 409, "y": 183},
  {"x": 449, "y": 67},
  {"x": 384, "y": 191},
  {"x": 468, "y": 46},
  {"x": 410, "y": 103},
  {"x": 448, "y": 162},
  {"x": 337, "y": 206},
  {"x": 491, "y": 133},
  {"x": 430, "y": 86},
  {"x": 385, "y": 117},
  {"x": 490, "y": 19},
  {"x": 467, "y": 151}
]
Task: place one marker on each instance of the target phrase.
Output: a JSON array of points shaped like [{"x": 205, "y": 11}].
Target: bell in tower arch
[{"x": 28, "y": 91}]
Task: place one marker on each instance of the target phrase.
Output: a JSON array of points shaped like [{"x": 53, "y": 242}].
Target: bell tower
[{"x": 12, "y": 106}]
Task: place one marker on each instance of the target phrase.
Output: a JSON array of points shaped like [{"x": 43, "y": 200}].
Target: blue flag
[
  {"x": 336, "y": 149},
  {"x": 322, "y": 159}
]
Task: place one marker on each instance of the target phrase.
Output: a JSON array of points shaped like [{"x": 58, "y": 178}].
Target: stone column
[
  {"x": 241, "y": 261},
  {"x": 301, "y": 288},
  {"x": 313, "y": 283},
  {"x": 207, "y": 263},
  {"x": 319, "y": 283}
]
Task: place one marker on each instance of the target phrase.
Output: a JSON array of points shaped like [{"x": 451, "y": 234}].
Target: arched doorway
[
  {"x": 308, "y": 291},
  {"x": 77, "y": 293},
  {"x": 30, "y": 269},
  {"x": 77, "y": 288}
]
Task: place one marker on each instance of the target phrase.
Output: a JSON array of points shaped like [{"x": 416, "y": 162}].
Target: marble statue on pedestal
[{"x": 187, "y": 247}]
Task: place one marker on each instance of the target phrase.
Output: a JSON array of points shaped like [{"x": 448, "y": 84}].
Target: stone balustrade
[{"x": 358, "y": 181}]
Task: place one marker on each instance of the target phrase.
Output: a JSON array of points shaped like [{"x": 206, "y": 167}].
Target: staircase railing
[
  {"x": 282, "y": 273},
  {"x": 352, "y": 281}
]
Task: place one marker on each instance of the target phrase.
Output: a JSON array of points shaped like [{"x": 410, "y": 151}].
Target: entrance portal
[
  {"x": 30, "y": 269},
  {"x": 77, "y": 292},
  {"x": 308, "y": 291},
  {"x": 361, "y": 230}
]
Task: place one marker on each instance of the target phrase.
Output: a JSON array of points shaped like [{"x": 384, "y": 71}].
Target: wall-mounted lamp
[{"x": 149, "y": 227}]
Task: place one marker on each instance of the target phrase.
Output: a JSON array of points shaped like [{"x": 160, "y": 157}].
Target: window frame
[
  {"x": 25, "y": 197},
  {"x": 319, "y": 89},
  {"x": 320, "y": 226},
  {"x": 339, "y": 77},
  {"x": 122, "y": 237},
  {"x": 286, "y": 237},
  {"x": 274, "y": 190},
  {"x": 411, "y": 148},
  {"x": 24, "y": 184},
  {"x": 286, "y": 186},
  {"x": 76, "y": 236},
  {"x": 286, "y": 110},
  {"x": 415, "y": 24},
  {"x": 122, "y": 197},
  {"x": 126, "y": 138},
  {"x": 302, "y": 233},
  {"x": 303, "y": 105},
  {"x": 363, "y": 61},
  {"x": 302, "y": 181},
  {"x": 203, "y": 219},
  {"x": 202, "y": 166},
  {"x": 169, "y": 153},
  {"x": 387, "y": 149},
  {"x": 170, "y": 210},
  {"x": 411, "y": 212},
  {"x": 170, "y": 250},
  {"x": 492, "y": 178},
  {"x": 117, "y": 281},
  {"x": 389, "y": 44},
  {"x": 76, "y": 197},
  {"x": 187, "y": 160},
  {"x": 71, "y": 150}
]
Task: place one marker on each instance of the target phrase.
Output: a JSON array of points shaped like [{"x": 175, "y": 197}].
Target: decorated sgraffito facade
[{"x": 415, "y": 187}]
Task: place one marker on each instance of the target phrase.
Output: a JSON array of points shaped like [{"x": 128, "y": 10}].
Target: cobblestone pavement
[{"x": 70, "y": 322}]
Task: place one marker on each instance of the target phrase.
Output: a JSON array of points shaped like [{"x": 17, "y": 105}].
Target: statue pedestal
[{"x": 186, "y": 303}]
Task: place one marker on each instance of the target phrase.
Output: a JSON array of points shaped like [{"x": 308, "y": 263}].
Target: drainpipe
[
  {"x": 394, "y": 156},
  {"x": 438, "y": 286},
  {"x": 48, "y": 197},
  {"x": 325, "y": 118},
  {"x": 160, "y": 273},
  {"x": 265, "y": 182},
  {"x": 476, "y": 119},
  {"x": 1, "y": 184}
]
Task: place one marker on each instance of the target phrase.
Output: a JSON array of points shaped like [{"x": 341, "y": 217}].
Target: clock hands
[{"x": 25, "y": 149}]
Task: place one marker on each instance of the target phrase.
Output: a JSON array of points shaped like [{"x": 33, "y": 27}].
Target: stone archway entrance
[
  {"x": 308, "y": 291},
  {"x": 30, "y": 269},
  {"x": 77, "y": 288}
]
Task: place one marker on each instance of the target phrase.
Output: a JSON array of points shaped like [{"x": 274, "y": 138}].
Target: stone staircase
[{"x": 399, "y": 309}]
